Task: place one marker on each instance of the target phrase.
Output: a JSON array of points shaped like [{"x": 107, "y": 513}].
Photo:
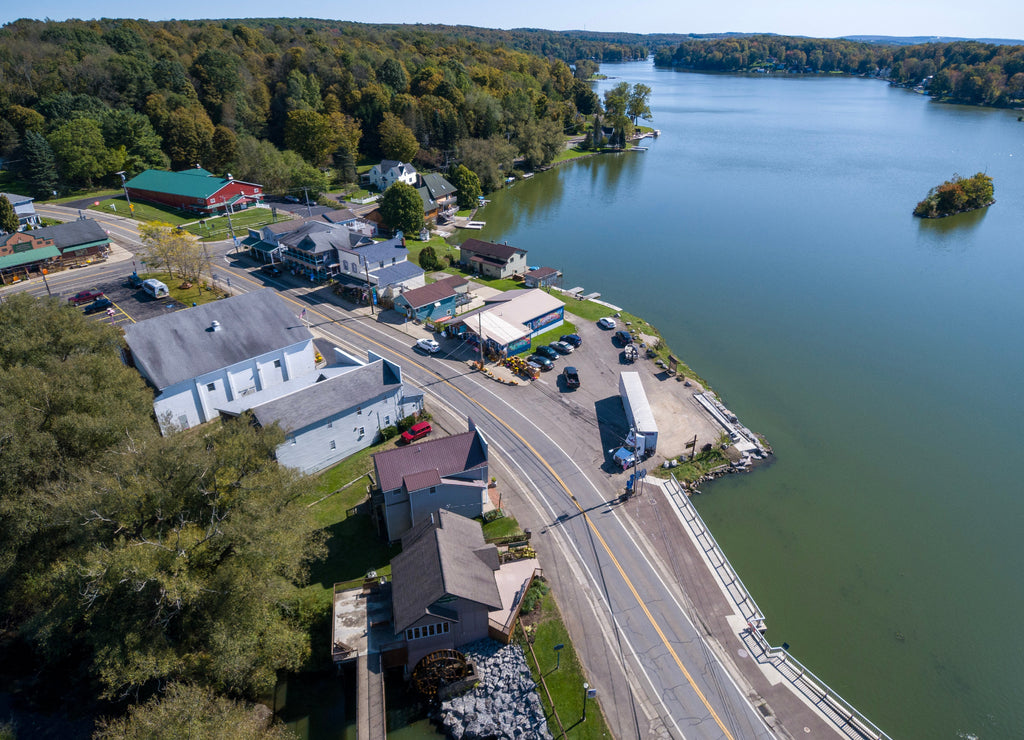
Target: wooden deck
[{"x": 370, "y": 717}]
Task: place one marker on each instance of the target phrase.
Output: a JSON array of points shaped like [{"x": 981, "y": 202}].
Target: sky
[{"x": 829, "y": 19}]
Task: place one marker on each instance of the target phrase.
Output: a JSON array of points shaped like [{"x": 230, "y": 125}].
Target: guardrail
[{"x": 841, "y": 713}]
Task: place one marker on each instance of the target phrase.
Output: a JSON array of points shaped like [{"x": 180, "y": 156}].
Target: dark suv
[
  {"x": 572, "y": 377},
  {"x": 574, "y": 339},
  {"x": 546, "y": 351}
]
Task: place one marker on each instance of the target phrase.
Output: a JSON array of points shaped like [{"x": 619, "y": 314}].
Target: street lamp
[
  {"x": 588, "y": 693},
  {"x": 124, "y": 185}
]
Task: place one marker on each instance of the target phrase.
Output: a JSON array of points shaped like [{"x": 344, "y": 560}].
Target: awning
[{"x": 28, "y": 257}]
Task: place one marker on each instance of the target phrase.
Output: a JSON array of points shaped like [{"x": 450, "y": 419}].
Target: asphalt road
[{"x": 629, "y": 619}]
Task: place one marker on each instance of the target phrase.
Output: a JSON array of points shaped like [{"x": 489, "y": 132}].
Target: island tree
[{"x": 956, "y": 196}]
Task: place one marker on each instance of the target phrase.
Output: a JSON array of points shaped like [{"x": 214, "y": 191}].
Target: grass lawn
[
  {"x": 215, "y": 229},
  {"x": 353, "y": 547},
  {"x": 115, "y": 203},
  {"x": 572, "y": 153},
  {"x": 80, "y": 194},
  {"x": 196, "y": 294},
  {"x": 506, "y": 526},
  {"x": 440, "y": 246},
  {"x": 552, "y": 336},
  {"x": 465, "y": 212},
  {"x": 566, "y": 683},
  {"x": 691, "y": 470}
]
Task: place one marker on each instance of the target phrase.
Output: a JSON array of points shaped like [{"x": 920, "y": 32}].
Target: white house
[
  {"x": 206, "y": 357},
  {"x": 333, "y": 413},
  {"x": 390, "y": 171},
  {"x": 24, "y": 209}
]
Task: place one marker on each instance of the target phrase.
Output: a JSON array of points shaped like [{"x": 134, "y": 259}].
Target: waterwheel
[{"x": 439, "y": 669}]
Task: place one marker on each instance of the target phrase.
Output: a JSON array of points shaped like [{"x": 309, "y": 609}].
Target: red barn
[{"x": 194, "y": 190}]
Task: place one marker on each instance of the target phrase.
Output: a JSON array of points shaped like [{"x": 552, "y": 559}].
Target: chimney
[{"x": 215, "y": 325}]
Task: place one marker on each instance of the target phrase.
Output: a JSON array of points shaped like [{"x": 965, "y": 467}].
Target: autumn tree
[
  {"x": 402, "y": 208},
  {"x": 172, "y": 248},
  {"x": 397, "y": 141}
]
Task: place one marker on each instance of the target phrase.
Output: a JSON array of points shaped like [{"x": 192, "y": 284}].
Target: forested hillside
[
  {"x": 282, "y": 102},
  {"x": 960, "y": 71}
]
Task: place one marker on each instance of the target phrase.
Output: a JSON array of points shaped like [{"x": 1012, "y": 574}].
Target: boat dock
[{"x": 361, "y": 626}]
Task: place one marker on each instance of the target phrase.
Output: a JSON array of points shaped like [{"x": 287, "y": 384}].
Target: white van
[{"x": 155, "y": 288}]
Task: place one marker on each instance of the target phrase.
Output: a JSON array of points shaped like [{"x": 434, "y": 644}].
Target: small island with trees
[{"x": 958, "y": 195}]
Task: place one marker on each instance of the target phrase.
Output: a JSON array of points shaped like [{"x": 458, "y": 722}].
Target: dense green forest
[
  {"x": 283, "y": 102},
  {"x": 960, "y": 71}
]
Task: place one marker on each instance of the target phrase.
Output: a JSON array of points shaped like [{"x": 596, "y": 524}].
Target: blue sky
[{"x": 979, "y": 19}]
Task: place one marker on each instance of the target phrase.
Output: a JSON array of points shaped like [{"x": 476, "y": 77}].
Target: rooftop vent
[{"x": 215, "y": 325}]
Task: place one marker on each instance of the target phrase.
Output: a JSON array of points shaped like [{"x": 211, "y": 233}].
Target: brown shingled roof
[
  {"x": 502, "y": 252},
  {"x": 433, "y": 292}
]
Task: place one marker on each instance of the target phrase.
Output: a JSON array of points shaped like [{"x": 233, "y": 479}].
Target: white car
[
  {"x": 606, "y": 323},
  {"x": 428, "y": 345}
]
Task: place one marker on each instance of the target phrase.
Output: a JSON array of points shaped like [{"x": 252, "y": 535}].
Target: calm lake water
[{"x": 768, "y": 234}]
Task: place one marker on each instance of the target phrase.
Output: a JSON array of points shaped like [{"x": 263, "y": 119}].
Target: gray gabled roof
[
  {"x": 437, "y": 185},
  {"x": 444, "y": 555},
  {"x": 501, "y": 252},
  {"x": 17, "y": 200},
  {"x": 296, "y": 235},
  {"x": 330, "y": 397},
  {"x": 73, "y": 233},
  {"x": 339, "y": 216},
  {"x": 396, "y": 273},
  {"x": 382, "y": 251},
  {"x": 182, "y": 345},
  {"x": 448, "y": 455}
]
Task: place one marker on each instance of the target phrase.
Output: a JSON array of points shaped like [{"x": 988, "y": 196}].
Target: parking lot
[{"x": 130, "y": 304}]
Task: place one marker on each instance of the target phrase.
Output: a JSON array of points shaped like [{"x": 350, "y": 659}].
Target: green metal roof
[
  {"x": 26, "y": 258},
  {"x": 79, "y": 247},
  {"x": 189, "y": 184}
]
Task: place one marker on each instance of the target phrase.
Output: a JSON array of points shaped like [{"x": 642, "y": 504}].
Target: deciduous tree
[
  {"x": 468, "y": 185},
  {"x": 402, "y": 208},
  {"x": 397, "y": 141}
]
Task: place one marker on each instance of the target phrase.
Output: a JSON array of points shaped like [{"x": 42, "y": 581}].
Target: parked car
[
  {"x": 606, "y": 323},
  {"x": 546, "y": 351},
  {"x": 86, "y": 296},
  {"x": 428, "y": 345},
  {"x": 624, "y": 337},
  {"x": 417, "y": 431},
  {"x": 271, "y": 270},
  {"x": 291, "y": 199},
  {"x": 572, "y": 339},
  {"x": 100, "y": 304},
  {"x": 544, "y": 363},
  {"x": 562, "y": 348},
  {"x": 572, "y": 377}
]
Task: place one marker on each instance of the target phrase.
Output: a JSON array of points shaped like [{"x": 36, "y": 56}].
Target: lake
[{"x": 768, "y": 234}]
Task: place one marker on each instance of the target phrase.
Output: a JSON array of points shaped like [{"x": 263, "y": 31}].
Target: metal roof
[
  {"x": 193, "y": 183},
  {"x": 330, "y": 397},
  {"x": 28, "y": 257},
  {"x": 182, "y": 345},
  {"x": 447, "y": 455}
]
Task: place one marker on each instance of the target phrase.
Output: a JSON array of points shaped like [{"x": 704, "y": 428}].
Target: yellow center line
[{"x": 586, "y": 518}]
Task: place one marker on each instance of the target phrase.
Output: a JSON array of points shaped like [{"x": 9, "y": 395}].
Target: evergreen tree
[
  {"x": 39, "y": 165},
  {"x": 8, "y": 218}
]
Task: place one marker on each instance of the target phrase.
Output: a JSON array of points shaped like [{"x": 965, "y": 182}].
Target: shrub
[{"x": 537, "y": 591}]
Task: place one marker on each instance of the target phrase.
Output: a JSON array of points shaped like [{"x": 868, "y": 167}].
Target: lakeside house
[
  {"x": 433, "y": 301},
  {"x": 542, "y": 277},
  {"x": 196, "y": 190},
  {"x": 414, "y": 480},
  {"x": 388, "y": 172},
  {"x": 492, "y": 260},
  {"x": 508, "y": 322}
]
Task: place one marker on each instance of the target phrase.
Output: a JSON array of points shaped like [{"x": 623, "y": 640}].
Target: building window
[
  {"x": 408, "y": 634},
  {"x": 361, "y": 431},
  {"x": 445, "y": 625},
  {"x": 430, "y": 630},
  {"x": 387, "y": 420},
  {"x": 211, "y": 386},
  {"x": 333, "y": 446},
  {"x": 277, "y": 363}
]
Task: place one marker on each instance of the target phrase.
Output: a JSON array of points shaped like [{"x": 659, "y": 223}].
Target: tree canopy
[
  {"x": 956, "y": 196},
  {"x": 402, "y": 208}
]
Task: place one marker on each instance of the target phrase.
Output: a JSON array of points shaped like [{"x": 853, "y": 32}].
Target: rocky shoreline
[{"x": 504, "y": 705}]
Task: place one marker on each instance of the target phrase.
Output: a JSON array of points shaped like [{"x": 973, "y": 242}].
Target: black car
[
  {"x": 544, "y": 363},
  {"x": 100, "y": 304},
  {"x": 546, "y": 351},
  {"x": 624, "y": 337},
  {"x": 572, "y": 378},
  {"x": 271, "y": 270},
  {"x": 574, "y": 339}
]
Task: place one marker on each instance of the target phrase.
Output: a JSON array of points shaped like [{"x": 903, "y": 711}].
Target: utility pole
[
  {"x": 369, "y": 288},
  {"x": 480, "y": 337},
  {"x": 309, "y": 211}
]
